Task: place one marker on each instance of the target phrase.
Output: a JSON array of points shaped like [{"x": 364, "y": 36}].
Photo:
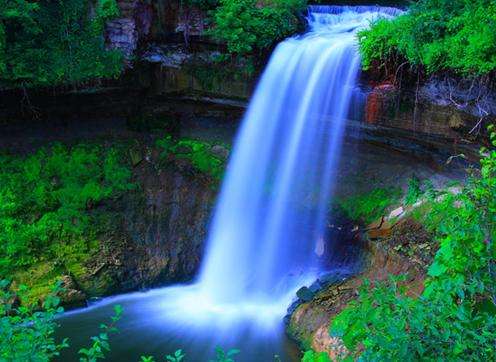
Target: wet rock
[
  {"x": 315, "y": 286},
  {"x": 121, "y": 34},
  {"x": 220, "y": 151},
  {"x": 396, "y": 213},
  {"x": 330, "y": 278},
  {"x": 169, "y": 56},
  {"x": 382, "y": 232},
  {"x": 305, "y": 294},
  {"x": 309, "y": 322},
  {"x": 156, "y": 233},
  {"x": 71, "y": 294},
  {"x": 378, "y": 100}
]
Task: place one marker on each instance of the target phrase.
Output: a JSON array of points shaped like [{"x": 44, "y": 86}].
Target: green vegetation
[
  {"x": 247, "y": 26},
  {"x": 311, "y": 356},
  {"x": 100, "y": 343},
  {"x": 369, "y": 206},
  {"x": 438, "y": 35},
  {"x": 48, "y": 213},
  {"x": 199, "y": 153},
  {"x": 413, "y": 192},
  {"x": 56, "y": 205},
  {"x": 47, "y": 43},
  {"x": 26, "y": 334},
  {"x": 54, "y": 43},
  {"x": 455, "y": 317}
]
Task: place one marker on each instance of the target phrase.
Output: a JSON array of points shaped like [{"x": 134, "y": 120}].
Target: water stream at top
[{"x": 266, "y": 238}]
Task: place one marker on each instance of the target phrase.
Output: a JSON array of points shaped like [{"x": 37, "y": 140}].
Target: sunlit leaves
[
  {"x": 246, "y": 25},
  {"x": 438, "y": 35}
]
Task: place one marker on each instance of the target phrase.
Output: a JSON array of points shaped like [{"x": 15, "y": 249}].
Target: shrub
[
  {"x": 47, "y": 43},
  {"x": 438, "y": 35},
  {"x": 455, "y": 317},
  {"x": 26, "y": 334},
  {"x": 199, "y": 153},
  {"x": 247, "y": 26},
  {"x": 46, "y": 200}
]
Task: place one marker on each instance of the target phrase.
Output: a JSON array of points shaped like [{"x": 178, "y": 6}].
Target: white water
[{"x": 267, "y": 234}]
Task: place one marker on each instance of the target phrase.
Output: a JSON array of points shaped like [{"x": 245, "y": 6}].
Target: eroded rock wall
[
  {"x": 142, "y": 21},
  {"x": 156, "y": 233}
]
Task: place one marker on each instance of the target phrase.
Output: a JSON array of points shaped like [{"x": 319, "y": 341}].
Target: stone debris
[{"x": 396, "y": 213}]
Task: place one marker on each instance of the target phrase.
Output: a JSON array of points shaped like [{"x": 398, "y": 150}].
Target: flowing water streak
[{"x": 272, "y": 207}]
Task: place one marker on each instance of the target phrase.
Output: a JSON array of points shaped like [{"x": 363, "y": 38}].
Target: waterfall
[{"x": 267, "y": 232}]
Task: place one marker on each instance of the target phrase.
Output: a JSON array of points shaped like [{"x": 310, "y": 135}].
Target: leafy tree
[
  {"x": 48, "y": 43},
  {"x": 247, "y": 25},
  {"x": 455, "y": 35}
]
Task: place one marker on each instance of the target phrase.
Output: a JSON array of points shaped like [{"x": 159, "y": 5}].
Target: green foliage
[
  {"x": 246, "y": 25},
  {"x": 202, "y": 4},
  {"x": 48, "y": 43},
  {"x": 311, "y": 356},
  {"x": 414, "y": 192},
  {"x": 100, "y": 344},
  {"x": 223, "y": 356},
  {"x": 455, "y": 317},
  {"x": 27, "y": 334},
  {"x": 46, "y": 203},
  {"x": 177, "y": 357},
  {"x": 439, "y": 35},
  {"x": 199, "y": 153},
  {"x": 369, "y": 206}
]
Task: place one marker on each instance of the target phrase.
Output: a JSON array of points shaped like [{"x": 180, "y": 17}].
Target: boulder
[{"x": 220, "y": 151}]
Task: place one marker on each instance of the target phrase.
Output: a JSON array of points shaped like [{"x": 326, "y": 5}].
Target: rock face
[
  {"x": 470, "y": 96},
  {"x": 388, "y": 106},
  {"x": 408, "y": 250},
  {"x": 158, "y": 231},
  {"x": 141, "y": 20},
  {"x": 168, "y": 229},
  {"x": 448, "y": 108},
  {"x": 121, "y": 34},
  {"x": 177, "y": 70}
]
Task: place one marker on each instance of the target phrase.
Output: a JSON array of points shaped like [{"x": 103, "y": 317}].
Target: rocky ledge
[{"x": 407, "y": 248}]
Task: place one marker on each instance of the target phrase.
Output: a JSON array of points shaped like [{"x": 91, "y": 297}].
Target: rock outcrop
[
  {"x": 156, "y": 233},
  {"x": 407, "y": 250},
  {"x": 140, "y": 21}
]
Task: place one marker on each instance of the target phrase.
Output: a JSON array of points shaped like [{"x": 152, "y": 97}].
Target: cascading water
[
  {"x": 266, "y": 238},
  {"x": 268, "y": 227}
]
